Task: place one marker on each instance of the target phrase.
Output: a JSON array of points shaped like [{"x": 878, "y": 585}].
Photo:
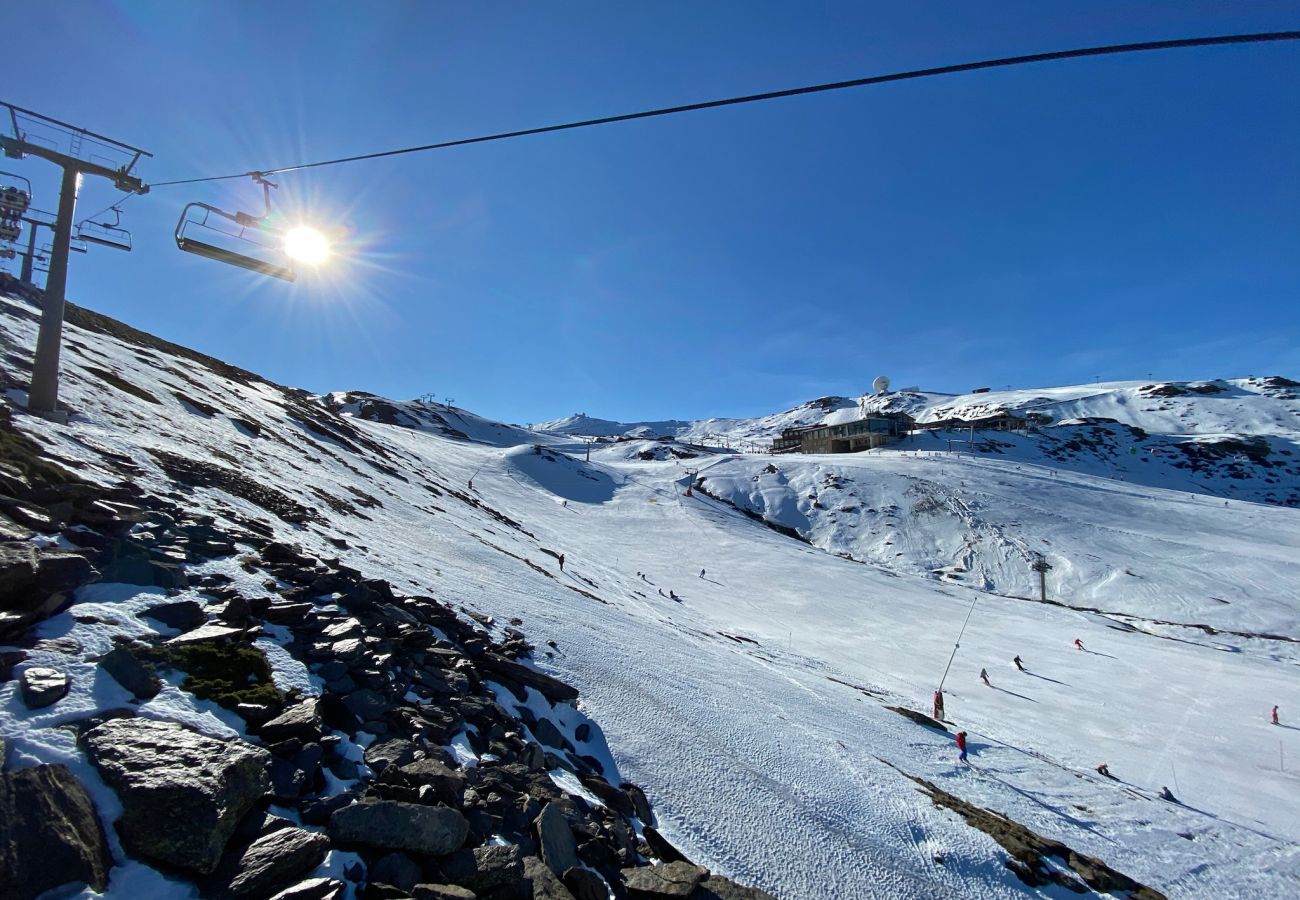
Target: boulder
[
  {"x": 546, "y": 884},
  {"x": 392, "y": 752},
  {"x": 49, "y": 834},
  {"x": 300, "y": 721},
  {"x": 551, "y": 688},
  {"x": 128, "y": 671},
  {"x": 41, "y": 686},
  {"x": 448, "y": 784},
  {"x": 184, "y": 615},
  {"x": 585, "y": 884},
  {"x": 659, "y": 846},
  {"x": 664, "y": 881},
  {"x": 393, "y": 825},
  {"x": 555, "y": 838},
  {"x": 366, "y": 705},
  {"x": 485, "y": 869},
  {"x": 182, "y": 793},
  {"x": 272, "y": 862}
]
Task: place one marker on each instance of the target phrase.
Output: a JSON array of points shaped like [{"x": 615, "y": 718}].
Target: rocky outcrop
[
  {"x": 662, "y": 882},
  {"x": 391, "y": 825},
  {"x": 49, "y": 834},
  {"x": 182, "y": 793}
]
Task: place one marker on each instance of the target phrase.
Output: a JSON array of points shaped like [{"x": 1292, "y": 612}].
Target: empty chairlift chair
[
  {"x": 106, "y": 234},
  {"x": 237, "y": 238}
]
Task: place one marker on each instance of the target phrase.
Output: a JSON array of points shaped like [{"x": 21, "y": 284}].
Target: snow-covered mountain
[
  {"x": 759, "y": 653},
  {"x": 1236, "y": 438}
]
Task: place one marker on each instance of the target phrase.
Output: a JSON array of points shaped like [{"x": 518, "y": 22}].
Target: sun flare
[{"x": 307, "y": 245}]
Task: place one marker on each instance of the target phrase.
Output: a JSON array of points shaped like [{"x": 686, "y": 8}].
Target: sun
[{"x": 307, "y": 245}]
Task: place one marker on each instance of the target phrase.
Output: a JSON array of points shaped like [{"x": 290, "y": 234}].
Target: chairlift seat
[{"x": 190, "y": 245}]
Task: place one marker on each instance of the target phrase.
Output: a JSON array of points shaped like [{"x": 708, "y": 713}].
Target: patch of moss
[{"x": 227, "y": 674}]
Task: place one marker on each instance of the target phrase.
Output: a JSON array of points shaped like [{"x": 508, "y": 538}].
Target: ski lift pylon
[
  {"x": 106, "y": 234},
  {"x": 253, "y": 243}
]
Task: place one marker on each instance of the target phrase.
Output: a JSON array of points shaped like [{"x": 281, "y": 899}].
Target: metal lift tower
[{"x": 79, "y": 152}]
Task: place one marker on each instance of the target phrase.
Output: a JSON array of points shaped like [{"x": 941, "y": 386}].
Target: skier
[
  {"x": 672, "y": 596},
  {"x": 1019, "y": 664},
  {"x": 1166, "y": 794},
  {"x": 984, "y": 677},
  {"x": 701, "y": 573},
  {"x": 561, "y": 562},
  {"x": 471, "y": 484},
  {"x": 1104, "y": 771},
  {"x": 961, "y": 745},
  {"x": 1078, "y": 643},
  {"x": 938, "y": 705},
  {"x": 1275, "y": 722}
]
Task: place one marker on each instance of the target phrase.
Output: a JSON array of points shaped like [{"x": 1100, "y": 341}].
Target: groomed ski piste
[{"x": 754, "y": 708}]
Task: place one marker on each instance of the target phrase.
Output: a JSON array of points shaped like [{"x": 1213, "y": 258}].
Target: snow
[{"x": 754, "y": 711}]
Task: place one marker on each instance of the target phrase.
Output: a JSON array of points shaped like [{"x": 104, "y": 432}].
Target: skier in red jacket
[
  {"x": 961, "y": 745},
  {"x": 1078, "y": 643},
  {"x": 1275, "y": 715}
]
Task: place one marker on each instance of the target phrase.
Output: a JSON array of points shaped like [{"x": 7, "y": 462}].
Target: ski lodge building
[{"x": 846, "y": 437}]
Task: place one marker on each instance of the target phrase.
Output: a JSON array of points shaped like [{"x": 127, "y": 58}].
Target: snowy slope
[{"x": 755, "y": 709}]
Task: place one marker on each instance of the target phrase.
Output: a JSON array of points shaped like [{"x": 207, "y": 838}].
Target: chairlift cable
[{"x": 1144, "y": 46}]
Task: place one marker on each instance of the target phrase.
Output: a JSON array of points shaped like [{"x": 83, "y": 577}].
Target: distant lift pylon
[{"x": 248, "y": 241}]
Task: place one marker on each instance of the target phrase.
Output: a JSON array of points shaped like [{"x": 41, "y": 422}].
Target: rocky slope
[{"x": 193, "y": 706}]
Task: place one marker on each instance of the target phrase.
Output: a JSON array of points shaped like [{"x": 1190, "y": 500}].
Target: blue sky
[{"x": 1032, "y": 226}]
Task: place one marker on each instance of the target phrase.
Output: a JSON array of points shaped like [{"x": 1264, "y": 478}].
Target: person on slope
[
  {"x": 961, "y": 746},
  {"x": 1166, "y": 794},
  {"x": 1104, "y": 771},
  {"x": 1275, "y": 721},
  {"x": 1078, "y": 643},
  {"x": 701, "y": 573},
  {"x": 561, "y": 558},
  {"x": 673, "y": 596},
  {"x": 938, "y": 705},
  {"x": 1019, "y": 664},
  {"x": 984, "y": 677}
]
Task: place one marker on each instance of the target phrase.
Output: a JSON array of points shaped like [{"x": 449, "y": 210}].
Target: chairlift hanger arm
[{"x": 13, "y": 116}]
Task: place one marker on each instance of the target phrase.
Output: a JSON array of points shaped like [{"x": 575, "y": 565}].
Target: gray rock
[
  {"x": 128, "y": 671},
  {"x": 396, "y": 869},
  {"x": 366, "y": 704},
  {"x": 662, "y": 882},
  {"x": 272, "y": 862},
  {"x": 393, "y": 752},
  {"x": 49, "y": 834},
  {"x": 182, "y": 793},
  {"x": 314, "y": 889},
  {"x": 42, "y": 686},
  {"x": 185, "y": 615},
  {"x": 546, "y": 884},
  {"x": 555, "y": 838},
  {"x": 549, "y": 735},
  {"x": 659, "y": 846},
  {"x": 393, "y": 825},
  {"x": 715, "y": 887},
  {"x": 640, "y": 805},
  {"x": 442, "y": 892},
  {"x": 585, "y": 884},
  {"x": 209, "y": 632},
  {"x": 300, "y": 721},
  {"x": 551, "y": 688},
  {"x": 486, "y": 868},
  {"x": 448, "y": 784}
]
